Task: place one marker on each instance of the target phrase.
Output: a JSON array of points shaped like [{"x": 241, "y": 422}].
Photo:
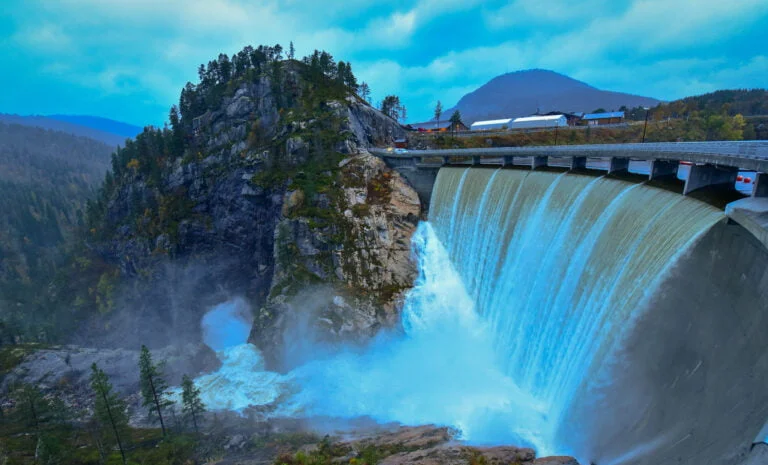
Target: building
[
  {"x": 491, "y": 124},
  {"x": 541, "y": 121},
  {"x": 442, "y": 126},
  {"x": 599, "y": 119},
  {"x": 401, "y": 143},
  {"x": 573, "y": 118}
]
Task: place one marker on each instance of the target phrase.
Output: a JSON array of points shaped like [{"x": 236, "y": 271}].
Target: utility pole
[
  {"x": 556, "y": 125},
  {"x": 645, "y": 126}
]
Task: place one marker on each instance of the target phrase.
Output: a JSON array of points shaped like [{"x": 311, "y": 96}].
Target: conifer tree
[
  {"x": 153, "y": 386},
  {"x": 438, "y": 112},
  {"x": 38, "y": 412},
  {"x": 455, "y": 120},
  {"x": 192, "y": 405},
  {"x": 291, "y": 51},
  {"x": 365, "y": 91},
  {"x": 110, "y": 409}
]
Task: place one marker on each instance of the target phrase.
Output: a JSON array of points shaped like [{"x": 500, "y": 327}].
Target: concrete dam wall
[{"x": 634, "y": 318}]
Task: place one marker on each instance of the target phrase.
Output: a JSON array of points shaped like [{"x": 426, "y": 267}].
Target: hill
[
  {"x": 101, "y": 124},
  {"x": 746, "y": 102},
  {"x": 112, "y": 133},
  {"x": 46, "y": 178},
  {"x": 259, "y": 187},
  {"x": 524, "y": 93}
]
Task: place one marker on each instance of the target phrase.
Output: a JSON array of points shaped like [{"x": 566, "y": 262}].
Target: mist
[{"x": 438, "y": 368}]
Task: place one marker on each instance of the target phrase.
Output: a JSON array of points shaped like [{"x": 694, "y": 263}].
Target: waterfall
[
  {"x": 557, "y": 266},
  {"x": 528, "y": 283}
]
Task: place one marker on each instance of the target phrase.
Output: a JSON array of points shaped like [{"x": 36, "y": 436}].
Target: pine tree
[
  {"x": 438, "y": 112},
  {"x": 30, "y": 405},
  {"x": 153, "y": 386},
  {"x": 365, "y": 91},
  {"x": 391, "y": 107},
  {"x": 110, "y": 409},
  {"x": 455, "y": 120},
  {"x": 177, "y": 138},
  {"x": 291, "y": 51},
  {"x": 349, "y": 78},
  {"x": 190, "y": 396}
]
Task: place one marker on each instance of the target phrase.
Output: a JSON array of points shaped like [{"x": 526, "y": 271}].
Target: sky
[{"x": 128, "y": 59}]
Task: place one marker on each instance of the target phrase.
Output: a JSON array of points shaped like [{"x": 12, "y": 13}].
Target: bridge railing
[{"x": 749, "y": 155}]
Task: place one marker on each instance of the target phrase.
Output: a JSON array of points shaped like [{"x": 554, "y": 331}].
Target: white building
[
  {"x": 491, "y": 124},
  {"x": 527, "y": 122},
  {"x": 543, "y": 121}
]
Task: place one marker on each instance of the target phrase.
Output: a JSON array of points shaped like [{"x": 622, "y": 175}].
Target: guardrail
[{"x": 748, "y": 155}]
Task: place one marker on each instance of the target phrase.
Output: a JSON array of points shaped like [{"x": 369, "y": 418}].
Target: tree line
[{"x": 46, "y": 415}]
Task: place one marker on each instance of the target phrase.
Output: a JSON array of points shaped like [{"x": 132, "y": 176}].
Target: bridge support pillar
[
  {"x": 709, "y": 175},
  {"x": 578, "y": 163},
  {"x": 618, "y": 165},
  {"x": 662, "y": 168},
  {"x": 760, "y": 186},
  {"x": 475, "y": 160},
  {"x": 537, "y": 162},
  {"x": 508, "y": 160},
  {"x": 397, "y": 162}
]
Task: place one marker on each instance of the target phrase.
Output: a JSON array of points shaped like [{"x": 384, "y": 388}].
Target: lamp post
[{"x": 645, "y": 126}]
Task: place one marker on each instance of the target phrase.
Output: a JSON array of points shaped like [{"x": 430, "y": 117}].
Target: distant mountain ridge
[
  {"x": 101, "y": 124},
  {"x": 110, "y": 132},
  {"x": 523, "y": 93}
]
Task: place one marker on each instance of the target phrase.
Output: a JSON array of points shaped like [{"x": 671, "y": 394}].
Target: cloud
[
  {"x": 138, "y": 51},
  {"x": 46, "y": 37}
]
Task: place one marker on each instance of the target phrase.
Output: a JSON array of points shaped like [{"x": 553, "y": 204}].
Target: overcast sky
[{"x": 128, "y": 59}]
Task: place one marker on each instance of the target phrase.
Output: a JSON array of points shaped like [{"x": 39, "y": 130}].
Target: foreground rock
[
  {"x": 65, "y": 372},
  {"x": 422, "y": 445},
  {"x": 758, "y": 455}
]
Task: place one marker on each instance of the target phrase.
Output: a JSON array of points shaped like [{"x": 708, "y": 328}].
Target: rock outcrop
[
  {"x": 419, "y": 445},
  {"x": 357, "y": 263},
  {"x": 274, "y": 197},
  {"x": 65, "y": 371}
]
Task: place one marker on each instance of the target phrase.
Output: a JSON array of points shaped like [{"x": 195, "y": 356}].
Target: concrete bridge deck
[
  {"x": 748, "y": 155},
  {"x": 712, "y": 164}
]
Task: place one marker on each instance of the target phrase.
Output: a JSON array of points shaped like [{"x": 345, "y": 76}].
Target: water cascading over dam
[
  {"x": 557, "y": 265},
  {"x": 579, "y": 315}
]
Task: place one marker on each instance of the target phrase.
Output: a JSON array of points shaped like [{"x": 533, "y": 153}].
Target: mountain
[
  {"x": 112, "y": 133},
  {"x": 523, "y": 93},
  {"x": 261, "y": 188},
  {"x": 101, "y": 124}
]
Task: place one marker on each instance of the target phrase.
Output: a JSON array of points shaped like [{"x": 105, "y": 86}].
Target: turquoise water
[{"x": 527, "y": 282}]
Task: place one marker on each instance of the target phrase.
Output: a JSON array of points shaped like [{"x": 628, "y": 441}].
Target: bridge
[{"x": 711, "y": 164}]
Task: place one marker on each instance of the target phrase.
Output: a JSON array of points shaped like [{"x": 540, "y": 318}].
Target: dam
[
  {"x": 636, "y": 316},
  {"x": 578, "y": 314}
]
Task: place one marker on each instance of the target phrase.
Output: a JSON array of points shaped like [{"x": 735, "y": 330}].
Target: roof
[
  {"x": 612, "y": 114},
  {"x": 572, "y": 114},
  {"x": 539, "y": 118},
  {"x": 493, "y": 121},
  {"x": 446, "y": 123}
]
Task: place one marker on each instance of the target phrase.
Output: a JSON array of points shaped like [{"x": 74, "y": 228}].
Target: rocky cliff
[
  {"x": 340, "y": 275},
  {"x": 272, "y": 198}
]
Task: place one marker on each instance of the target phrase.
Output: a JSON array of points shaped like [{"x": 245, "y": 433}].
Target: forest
[{"x": 46, "y": 178}]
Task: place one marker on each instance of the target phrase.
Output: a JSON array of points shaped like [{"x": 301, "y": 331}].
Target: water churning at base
[
  {"x": 527, "y": 283},
  {"x": 558, "y": 266}
]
